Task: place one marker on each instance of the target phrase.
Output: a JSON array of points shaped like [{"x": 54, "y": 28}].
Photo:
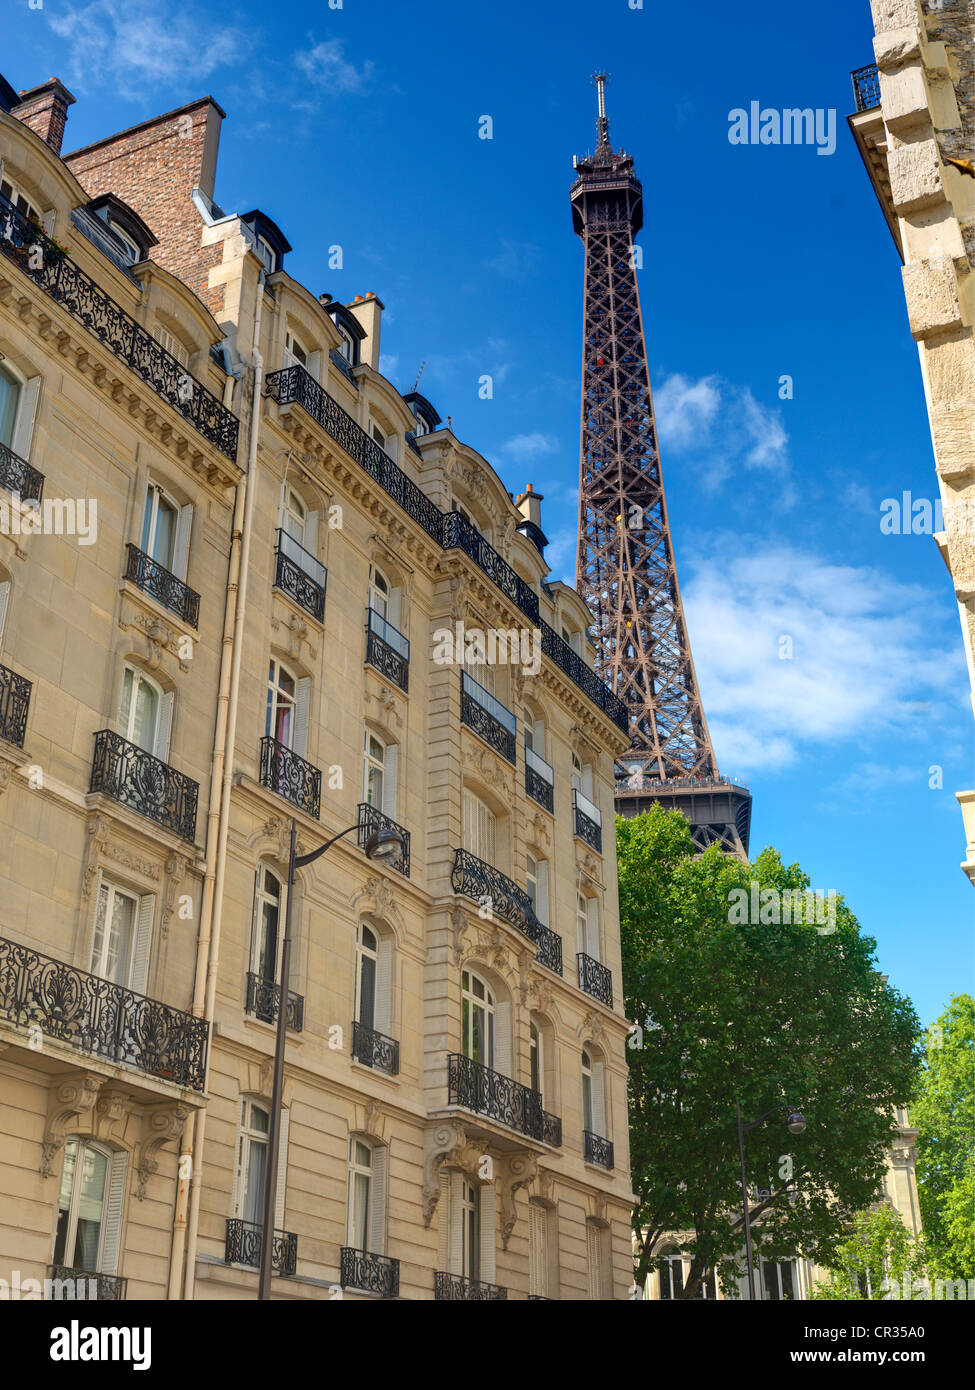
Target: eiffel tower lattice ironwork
[{"x": 625, "y": 566}]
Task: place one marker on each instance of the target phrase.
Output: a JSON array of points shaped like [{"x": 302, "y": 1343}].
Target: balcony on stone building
[
  {"x": 245, "y": 1240},
  {"x": 595, "y": 978},
  {"x": 387, "y": 650},
  {"x": 374, "y": 1049},
  {"x": 539, "y": 780},
  {"x": 15, "y": 692},
  {"x": 866, "y": 87},
  {"x": 376, "y": 1274},
  {"x": 70, "y": 1285},
  {"x": 597, "y": 1149},
  {"x": 284, "y": 771},
  {"x": 454, "y": 1288},
  {"x": 370, "y": 819},
  {"x": 488, "y": 717},
  {"x": 18, "y": 477},
  {"x": 587, "y": 821},
  {"x": 483, "y": 1091},
  {"x": 475, "y": 879},
  {"x": 299, "y": 575},
  {"x": 144, "y": 783},
  {"x": 159, "y": 583},
  {"x": 263, "y": 998}
]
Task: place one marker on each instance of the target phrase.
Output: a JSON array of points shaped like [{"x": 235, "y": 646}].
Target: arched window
[
  {"x": 90, "y": 1204},
  {"x": 294, "y": 515},
  {"x": 587, "y": 925},
  {"x": 373, "y": 770},
  {"x": 536, "y": 1059},
  {"x": 252, "y": 1142},
  {"x": 477, "y": 1019},
  {"x": 282, "y": 705},
  {"x": 587, "y": 1111},
  {"x": 470, "y": 1231},
  {"x": 145, "y": 712},
  {"x": 265, "y": 936},
  {"x": 593, "y": 1103},
  {"x": 379, "y": 593},
  {"x": 295, "y": 352},
  {"x": 536, "y": 882},
  {"x": 13, "y": 194},
  {"x": 360, "y": 1193},
  {"x": 10, "y": 393}
]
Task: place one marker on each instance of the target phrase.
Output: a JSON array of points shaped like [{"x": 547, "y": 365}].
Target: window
[
  {"x": 574, "y": 639},
  {"x": 379, "y": 593},
  {"x": 470, "y": 1265},
  {"x": 10, "y": 390},
  {"x": 145, "y": 712},
  {"x": 385, "y": 440},
  {"x": 536, "y": 882},
  {"x": 171, "y": 343},
  {"x": 587, "y": 925},
  {"x": 264, "y": 935},
  {"x": 166, "y": 530},
  {"x": 373, "y": 771},
  {"x": 672, "y": 1278},
  {"x": 467, "y": 1245},
  {"x": 12, "y": 193},
  {"x": 18, "y": 406},
  {"x": 777, "y": 1281},
  {"x": 535, "y": 1058},
  {"x": 360, "y": 1193},
  {"x": 131, "y": 249},
  {"x": 477, "y": 1019},
  {"x": 294, "y": 515},
  {"x": 367, "y": 965},
  {"x": 535, "y": 736},
  {"x": 122, "y": 935},
  {"x": 480, "y": 828},
  {"x": 582, "y": 776},
  {"x": 282, "y": 704},
  {"x": 587, "y": 1111},
  {"x": 295, "y": 352},
  {"x": 266, "y": 252},
  {"x": 255, "y": 1128},
  {"x": 4, "y": 602},
  {"x": 90, "y": 1205},
  {"x": 347, "y": 346}
]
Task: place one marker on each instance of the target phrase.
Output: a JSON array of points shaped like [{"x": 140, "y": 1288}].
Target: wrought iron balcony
[
  {"x": 454, "y": 1288},
  {"x": 244, "y": 1242},
  {"x": 458, "y": 532},
  {"x": 488, "y": 717},
  {"x": 489, "y": 886},
  {"x": 73, "y": 1284},
  {"x": 372, "y": 1273},
  {"x": 24, "y": 243},
  {"x": 539, "y": 780},
  {"x": 372, "y": 819},
  {"x": 583, "y": 676},
  {"x": 549, "y": 948},
  {"x": 477, "y": 1088},
  {"x": 157, "y": 581},
  {"x": 299, "y": 575},
  {"x": 596, "y": 979},
  {"x": 387, "y": 650},
  {"x": 263, "y": 997},
  {"x": 374, "y": 1049},
  {"x": 144, "y": 783},
  {"x": 101, "y": 1018},
  {"x": 587, "y": 821},
  {"x": 14, "y": 706},
  {"x": 866, "y": 87},
  {"x": 286, "y": 772},
  {"x": 597, "y": 1149},
  {"x": 17, "y": 476}
]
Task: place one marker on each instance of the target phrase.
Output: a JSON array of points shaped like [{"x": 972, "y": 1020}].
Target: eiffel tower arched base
[{"x": 716, "y": 810}]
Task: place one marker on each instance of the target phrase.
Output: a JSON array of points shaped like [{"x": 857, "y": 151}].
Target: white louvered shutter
[
  {"x": 4, "y": 601},
  {"x": 390, "y": 779},
  {"x": 455, "y": 1253},
  {"x": 181, "y": 545},
  {"x": 302, "y": 707},
  {"x": 24, "y": 429},
  {"x": 383, "y": 1012},
  {"x": 164, "y": 726},
  {"x": 114, "y": 1206},
  {"x": 282, "y": 1177},
  {"x": 311, "y": 534},
  {"x": 541, "y": 907},
  {"x": 239, "y": 1170},
  {"x": 470, "y": 822},
  {"x": 502, "y": 1039},
  {"x": 488, "y": 1221},
  {"x": 592, "y": 928},
  {"x": 593, "y": 1251},
  {"x": 443, "y": 1230},
  {"x": 142, "y": 944},
  {"x": 538, "y": 1250},
  {"x": 377, "y": 1217},
  {"x": 599, "y": 1101}
]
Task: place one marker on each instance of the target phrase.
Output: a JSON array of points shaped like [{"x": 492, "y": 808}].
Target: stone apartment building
[
  {"x": 268, "y": 623},
  {"x": 915, "y": 128}
]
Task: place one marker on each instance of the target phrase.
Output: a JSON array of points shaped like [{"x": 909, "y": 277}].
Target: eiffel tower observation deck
[{"x": 625, "y": 568}]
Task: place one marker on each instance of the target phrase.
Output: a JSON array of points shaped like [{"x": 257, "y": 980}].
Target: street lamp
[
  {"x": 795, "y": 1123},
  {"x": 383, "y": 846}
]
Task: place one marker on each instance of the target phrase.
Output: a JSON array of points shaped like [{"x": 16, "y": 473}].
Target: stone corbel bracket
[
  {"x": 446, "y": 1141},
  {"x": 515, "y": 1171},
  {"x": 160, "y": 1125},
  {"x": 71, "y": 1095}
]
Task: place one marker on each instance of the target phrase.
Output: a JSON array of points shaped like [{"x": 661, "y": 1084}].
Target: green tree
[
  {"x": 944, "y": 1115},
  {"x": 764, "y": 1014},
  {"x": 879, "y": 1259}
]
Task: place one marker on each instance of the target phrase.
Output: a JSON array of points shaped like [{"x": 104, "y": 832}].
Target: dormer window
[
  {"x": 268, "y": 241},
  {"x": 295, "y": 352},
  {"x": 131, "y": 236},
  {"x": 132, "y": 251},
  {"x": 347, "y": 347},
  {"x": 267, "y": 254},
  {"x": 13, "y": 195}
]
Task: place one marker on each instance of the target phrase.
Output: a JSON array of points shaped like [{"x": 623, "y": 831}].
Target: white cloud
[
  {"x": 722, "y": 424},
  {"x": 560, "y": 554},
  {"x": 388, "y": 363},
  {"x": 144, "y": 43},
  {"x": 526, "y": 448},
  {"x": 517, "y": 260},
  {"x": 325, "y": 64},
  {"x": 685, "y": 409}
]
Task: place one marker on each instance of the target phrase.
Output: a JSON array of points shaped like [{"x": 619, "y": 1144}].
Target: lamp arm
[{"x": 302, "y": 859}]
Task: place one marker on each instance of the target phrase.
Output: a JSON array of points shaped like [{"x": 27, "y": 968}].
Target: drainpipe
[{"x": 239, "y": 600}]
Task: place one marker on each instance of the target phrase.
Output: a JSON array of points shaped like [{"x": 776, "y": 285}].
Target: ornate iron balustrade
[
  {"x": 454, "y": 1288},
  {"x": 17, "y": 476},
  {"x": 54, "y": 272},
  {"x": 476, "y": 1087},
  {"x": 372, "y": 1273},
  {"x": 597, "y": 1149},
  {"x": 101, "y": 1018},
  {"x": 371, "y": 819},
  {"x": 387, "y": 650},
  {"x": 299, "y": 575},
  {"x": 866, "y": 87},
  {"x": 14, "y": 706},
  {"x": 68, "y": 1284},
  {"x": 488, "y": 717},
  {"x": 157, "y": 581},
  {"x": 263, "y": 998},
  {"x": 539, "y": 780},
  {"x": 488, "y": 885},
  {"x": 458, "y": 531},
  {"x": 244, "y": 1242},
  {"x": 587, "y": 820},
  {"x": 144, "y": 783},
  {"x": 596, "y": 979},
  {"x": 293, "y": 385},
  {"x": 374, "y": 1049},
  {"x": 549, "y": 948},
  {"x": 286, "y": 772}
]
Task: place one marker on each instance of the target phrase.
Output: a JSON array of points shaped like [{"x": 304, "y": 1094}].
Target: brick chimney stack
[{"x": 45, "y": 110}]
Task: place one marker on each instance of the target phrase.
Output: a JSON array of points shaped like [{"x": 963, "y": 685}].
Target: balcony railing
[
  {"x": 299, "y": 575},
  {"x": 372, "y": 819},
  {"x": 387, "y": 650},
  {"x": 587, "y": 821},
  {"x": 454, "y": 1288},
  {"x": 489, "y": 887},
  {"x": 539, "y": 780},
  {"x": 596, "y": 979},
  {"x": 488, "y": 717},
  {"x": 372, "y": 1273},
  {"x": 244, "y": 1242},
  {"x": 14, "y": 706},
  {"x": 101, "y": 1018},
  {"x": 449, "y": 530},
  {"x": 56, "y": 273},
  {"x": 374, "y": 1049},
  {"x": 476, "y": 1087},
  {"x": 597, "y": 1149},
  {"x": 549, "y": 948},
  {"x": 144, "y": 783},
  {"x": 866, "y": 87},
  {"x": 263, "y": 997},
  {"x": 17, "y": 476},
  {"x": 73, "y": 1284},
  {"x": 155, "y": 580},
  {"x": 287, "y": 773}
]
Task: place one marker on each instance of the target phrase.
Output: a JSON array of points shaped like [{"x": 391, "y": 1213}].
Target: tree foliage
[
  {"x": 878, "y": 1260},
  {"x": 761, "y": 1014}
]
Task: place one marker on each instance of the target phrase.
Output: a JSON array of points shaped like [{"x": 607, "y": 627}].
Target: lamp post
[
  {"x": 381, "y": 845},
  {"x": 795, "y": 1124}
]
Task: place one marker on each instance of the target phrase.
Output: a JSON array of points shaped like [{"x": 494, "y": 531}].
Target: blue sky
[{"x": 358, "y": 126}]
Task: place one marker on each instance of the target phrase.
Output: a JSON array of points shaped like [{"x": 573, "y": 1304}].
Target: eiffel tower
[{"x": 625, "y": 566}]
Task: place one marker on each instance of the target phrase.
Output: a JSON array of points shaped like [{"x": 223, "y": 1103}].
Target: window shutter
[
  {"x": 383, "y": 1013},
  {"x": 302, "y": 704},
  {"x": 24, "y": 428},
  {"x": 538, "y": 1250},
  {"x": 239, "y": 1172},
  {"x": 592, "y": 928},
  {"x": 586, "y": 787},
  {"x": 377, "y": 1222},
  {"x": 455, "y": 1255},
  {"x": 599, "y": 1100},
  {"x": 502, "y": 1039},
  {"x": 310, "y": 541},
  {"x": 314, "y": 368},
  {"x": 282, "y": 1178},
  {"x": 390, "y": 770},
  {"x": 486, "y": 833},
  {"x": 96, "y": 899},
  {"x": 181, "y": 545},
  {"x": 114, "y": 1204},
  {"x": 143, "y": 943},
  {"x": 164, "y": 727},
  {"x": 4, "y": 600},
  {"x": 470, "y": 822},
  {"x": 541, "y": 909},
  {"x": 592, "y": 1247},
  {"x": 443, "y": 1230},
  {"x": 487, "y": 1218},
  {"x": 396, "y": 608}
]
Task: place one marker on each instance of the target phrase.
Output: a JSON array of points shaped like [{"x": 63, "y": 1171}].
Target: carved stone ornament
[
  {"x": 298, "y": 635},
  {"x": 446, "y": 1141},
  {"x": 71, "y": 1096},
  {"x": 161, "y": 640},
  {"x": 490, "y": 769},
  {"x": 513, "y": 1172},
  {"x": 176, "y": 866},
  {"x": 161, "y": 1124},
  {"x": 378, "y": 899}
]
